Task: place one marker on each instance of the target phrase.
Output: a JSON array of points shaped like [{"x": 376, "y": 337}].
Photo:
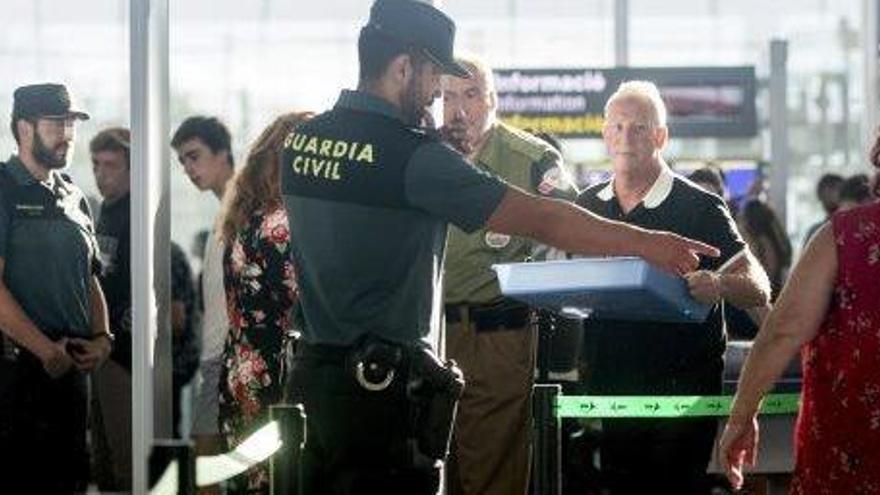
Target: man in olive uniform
[
  {"x": 491, "y": 337},
  {"x": 52, "y": 312},
  {"x": 369, "y": 195}
]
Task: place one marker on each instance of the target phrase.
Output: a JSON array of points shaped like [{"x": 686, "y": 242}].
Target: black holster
[{"x": 433, "y": 389}]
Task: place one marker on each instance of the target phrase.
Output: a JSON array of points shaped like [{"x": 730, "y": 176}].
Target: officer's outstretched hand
[
  {"x": 88, "y": 354},
  {"x": 674, "y": 253},
  {"x": 56, "y": 362}
]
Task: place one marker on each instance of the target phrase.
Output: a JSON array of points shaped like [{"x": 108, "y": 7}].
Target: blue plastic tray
[{"x": 602, "y": 288}]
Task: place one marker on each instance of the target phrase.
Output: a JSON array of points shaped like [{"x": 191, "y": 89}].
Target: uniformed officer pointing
[{"x": 369, "y": 196}]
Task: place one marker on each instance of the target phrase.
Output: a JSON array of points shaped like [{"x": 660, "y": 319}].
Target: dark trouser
[
  {"x": 42, "y": 429},
  {"x": 356, "y": 439},
  {"x": 176, "y": 394},
  {"x": 110, "y": 427}
]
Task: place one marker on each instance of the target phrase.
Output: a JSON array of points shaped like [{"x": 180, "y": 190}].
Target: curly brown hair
[{"x": 257, "y": 186}]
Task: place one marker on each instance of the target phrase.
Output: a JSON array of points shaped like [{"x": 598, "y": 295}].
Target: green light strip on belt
[{"x": 673, "y": 406}]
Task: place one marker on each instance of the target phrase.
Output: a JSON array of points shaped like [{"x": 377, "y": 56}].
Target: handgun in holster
[{"x": 433, "y": 389}]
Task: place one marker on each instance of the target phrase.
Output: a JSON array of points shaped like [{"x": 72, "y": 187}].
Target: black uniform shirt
[
  {"x": 47, "y": 240},
  {"x": 368, "y": 199},
  {"x": 635, "y": 358}
]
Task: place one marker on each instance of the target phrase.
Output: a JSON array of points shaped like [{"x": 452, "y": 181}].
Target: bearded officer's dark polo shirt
[
  {"x": 47, "y": 241},
  {"x": 636, "y": 358},
  {"x": 368, "y": 199}
]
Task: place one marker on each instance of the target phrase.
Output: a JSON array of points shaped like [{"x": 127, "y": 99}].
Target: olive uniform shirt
[{"x": 524, "y": 161}]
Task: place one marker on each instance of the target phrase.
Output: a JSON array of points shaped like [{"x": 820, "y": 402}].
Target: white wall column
[
  {"x": 150, "y": 233},
  {"x": 779, "y": 149}
]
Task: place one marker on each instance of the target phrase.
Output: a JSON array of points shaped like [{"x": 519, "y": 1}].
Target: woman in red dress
[{"x": 830, "y": 310}]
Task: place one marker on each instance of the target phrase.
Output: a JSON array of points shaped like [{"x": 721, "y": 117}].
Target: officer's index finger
[{"x": 703, "y": 248}]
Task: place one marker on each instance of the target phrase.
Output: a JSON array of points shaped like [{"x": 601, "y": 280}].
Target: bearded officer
[{"x": 53, "y": 315}]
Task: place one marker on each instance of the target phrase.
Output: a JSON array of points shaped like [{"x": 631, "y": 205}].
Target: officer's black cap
[
  {"x": 421, "y": 26},
  {"x": 48, "y": 101}
]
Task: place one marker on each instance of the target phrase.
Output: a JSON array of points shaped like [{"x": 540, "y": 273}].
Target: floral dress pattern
[
  {"x": 837, "y": 439},
  {"x": 261, "y": 289}
]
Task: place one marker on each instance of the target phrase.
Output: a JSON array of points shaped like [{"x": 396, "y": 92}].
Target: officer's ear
[
  {"x": 26, "y": 130},
  {"x": 401, "y": 69}
]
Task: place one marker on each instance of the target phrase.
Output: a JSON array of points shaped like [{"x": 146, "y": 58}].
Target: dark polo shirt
[
  {"x": 48, "y": 243},
  {"x": 639, "y": 358}
]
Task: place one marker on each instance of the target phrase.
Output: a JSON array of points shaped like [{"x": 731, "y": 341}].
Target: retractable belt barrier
[
  {"x": 550, "y": 407},
  {"x": 280, "y": 439},
  {"x": 674, "y": 406}
]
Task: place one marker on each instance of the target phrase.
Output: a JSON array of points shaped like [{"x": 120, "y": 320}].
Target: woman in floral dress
[{"x": 260, "y": 291}]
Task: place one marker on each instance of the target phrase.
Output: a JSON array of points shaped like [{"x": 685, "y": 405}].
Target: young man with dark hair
[
  {"x": 204, "y": 149},
  {"x": 53, "y": 316},
  {"x": 209, "y": 130},
  {"x": 369, "y": 196}
]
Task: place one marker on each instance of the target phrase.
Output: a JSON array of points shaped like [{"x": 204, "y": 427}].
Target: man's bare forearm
[
  {"x": 98, "y": 308},
  {"x": 566, "y": 226},
  {"x": 747, "y": 287}
]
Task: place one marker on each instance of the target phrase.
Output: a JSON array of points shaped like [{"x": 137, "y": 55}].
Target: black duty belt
[
  {"x": 323, "y": 353},
  {"x": 501, "y": 315}
]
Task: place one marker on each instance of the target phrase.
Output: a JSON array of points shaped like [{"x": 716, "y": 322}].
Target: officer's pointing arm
[{"x": 571, "y": 228}]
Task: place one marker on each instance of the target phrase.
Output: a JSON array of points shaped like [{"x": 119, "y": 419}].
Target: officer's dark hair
[
  {"x": 112, "y": 139},
  {"x": 14, "y": 127},
  {"x": 376, "y": 51},
  {"x": 209, "y": 130}
]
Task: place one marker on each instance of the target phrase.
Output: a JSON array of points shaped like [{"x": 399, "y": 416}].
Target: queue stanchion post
[
  {"x": 284, "y": 466},
  {"x": 166, "y": 452},
  {"x": 548, "y": 440},
  {"x": 546, "y": 328}
]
